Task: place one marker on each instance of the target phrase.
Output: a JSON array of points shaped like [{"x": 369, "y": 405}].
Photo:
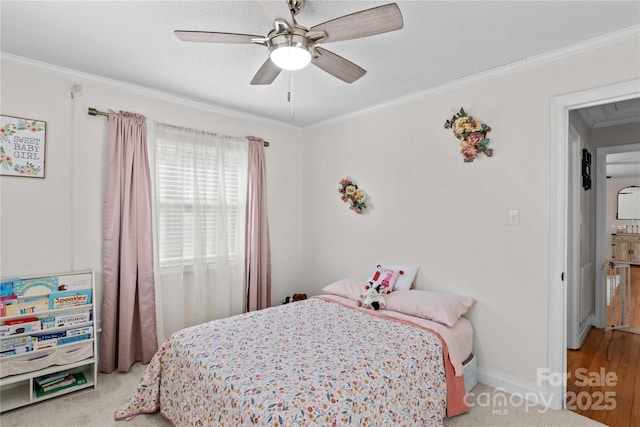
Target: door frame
[
  {"x": 573, "y": 283},
  {"x": 558, "y": 221}
]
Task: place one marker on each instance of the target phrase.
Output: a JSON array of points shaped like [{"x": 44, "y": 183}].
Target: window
[{"x": 200, "y": 196}]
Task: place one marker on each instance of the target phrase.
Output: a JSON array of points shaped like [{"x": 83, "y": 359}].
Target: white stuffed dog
[{"x": 372, "y": 297}]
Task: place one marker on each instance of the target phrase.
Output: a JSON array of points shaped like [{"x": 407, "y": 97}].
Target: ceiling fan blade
[
  {"x": 276, "y": 9},
  {"x": 213, "y": 37},
  {"x": 365, "y": 23},
  {"x": 266, "y": 74},
  {"x": 337, "y": 66}
]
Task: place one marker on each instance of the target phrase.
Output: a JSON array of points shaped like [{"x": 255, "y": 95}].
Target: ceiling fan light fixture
[
  {"x": 291, "y": 57},
  {"x": 291, "y": 52}
]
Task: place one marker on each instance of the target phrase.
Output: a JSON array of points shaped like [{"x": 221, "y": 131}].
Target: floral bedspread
[{"x": 308, "y": 363}]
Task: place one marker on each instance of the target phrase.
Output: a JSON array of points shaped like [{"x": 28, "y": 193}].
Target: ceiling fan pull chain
[{"x": 290, "y": 95}]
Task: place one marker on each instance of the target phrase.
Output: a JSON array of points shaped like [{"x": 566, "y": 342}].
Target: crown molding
[
  {"x": 584, "y": 46},
  {"x": 528, "y": 62},
  {"x": 138, "y": 90}
]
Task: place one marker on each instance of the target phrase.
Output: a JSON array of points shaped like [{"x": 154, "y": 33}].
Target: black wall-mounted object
[{"x": 586, "y": 169}]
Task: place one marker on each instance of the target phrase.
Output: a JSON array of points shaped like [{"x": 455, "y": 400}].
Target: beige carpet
[{"x": 95, "y": 408}]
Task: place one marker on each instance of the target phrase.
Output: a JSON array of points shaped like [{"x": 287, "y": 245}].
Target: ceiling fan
[{"x": 292, "y": 46}]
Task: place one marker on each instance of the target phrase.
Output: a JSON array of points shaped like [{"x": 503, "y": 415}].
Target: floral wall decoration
[
  {"x": 352, "y": 195},
  {"x": 472, "y": 134}
]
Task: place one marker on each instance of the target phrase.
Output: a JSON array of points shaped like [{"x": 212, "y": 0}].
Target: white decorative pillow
[
  {"x": 406, "y": 277},
  {"x": 437, "y": 306},
  {"x": 385, "y": 277},
  {"x": 349, "y": 287}
]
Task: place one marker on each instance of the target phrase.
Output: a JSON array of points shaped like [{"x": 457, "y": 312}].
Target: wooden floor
[{"x": 604, "y": 375}]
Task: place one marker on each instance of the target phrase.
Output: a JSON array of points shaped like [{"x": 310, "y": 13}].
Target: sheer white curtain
[{"x": 199, "y": 205}]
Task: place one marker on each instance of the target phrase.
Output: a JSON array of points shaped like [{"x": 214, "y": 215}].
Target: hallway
[{"x": 604, "y": 374}]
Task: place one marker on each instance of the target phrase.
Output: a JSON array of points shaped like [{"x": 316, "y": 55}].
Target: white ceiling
[
  {"x": 133, "y": 42},
  {"x": 612, "y": 114},
  {"x": 623, "y": 165},
  {"x": 619, "y": 165}
]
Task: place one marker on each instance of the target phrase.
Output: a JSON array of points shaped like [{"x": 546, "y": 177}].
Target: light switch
[{"x": 513, "y": 216}]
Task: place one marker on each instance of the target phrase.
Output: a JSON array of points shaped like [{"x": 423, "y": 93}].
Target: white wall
[
  {"x": 55, "y": 224},
  {"x": 430, "y": 209}
]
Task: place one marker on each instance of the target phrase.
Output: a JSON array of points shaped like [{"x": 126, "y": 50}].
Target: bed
[{"x": 319, "y": 362}]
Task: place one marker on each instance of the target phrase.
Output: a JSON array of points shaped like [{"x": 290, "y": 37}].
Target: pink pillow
[
  {"x": 349, "y": 287},
  {"x": 437, "y": 306}
]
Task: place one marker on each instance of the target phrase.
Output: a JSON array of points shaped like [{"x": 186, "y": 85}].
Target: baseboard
[
  {"x": 531, "y": 393},
  {"x": 585, "y": 328}
]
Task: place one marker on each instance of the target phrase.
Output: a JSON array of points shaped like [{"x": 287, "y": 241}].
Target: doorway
[
  {"x": 559, "y": 220},
  {"x": 607, "y": 353},
  {"x": 616, "y": 238}
]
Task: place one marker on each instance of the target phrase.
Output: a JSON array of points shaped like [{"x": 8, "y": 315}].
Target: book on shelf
[
  {"x": 20, "y": 320},
  {"x": 20, "y": 328},
  {"x": 31, "y": 306},
  {"x": 5, "y": 353},
  {"x": 35, "y": 287},
  {"x": 74, "y": 282},
  {"x": 51, "y": 378},
  {"x": 5, "y": 301},
  {"x": 67, "y": 299},
  {"x": 48, "y": 322},
  {"x": 6, "y": 287},
  {"x": 70, "y": 380},
  {"x": 49, "y": 335},
  {"x": 79, "y": 331},
  {"x": 73, "y": 338},
  {"x": 27, "y": 347},
  {"x": 42, "y": 344},
  {"x": 66, "y": 320},
  {"x": 17, "y": 343}
]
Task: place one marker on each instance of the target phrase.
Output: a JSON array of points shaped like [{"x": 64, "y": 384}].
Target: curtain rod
[{"x": 94, "y": 112}]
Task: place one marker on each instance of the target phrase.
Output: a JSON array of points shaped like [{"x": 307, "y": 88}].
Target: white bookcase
[{"x": 20, "y": 372}]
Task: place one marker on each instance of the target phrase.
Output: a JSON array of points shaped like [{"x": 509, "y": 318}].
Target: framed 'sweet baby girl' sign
[{"x": 22, "y": 146}]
